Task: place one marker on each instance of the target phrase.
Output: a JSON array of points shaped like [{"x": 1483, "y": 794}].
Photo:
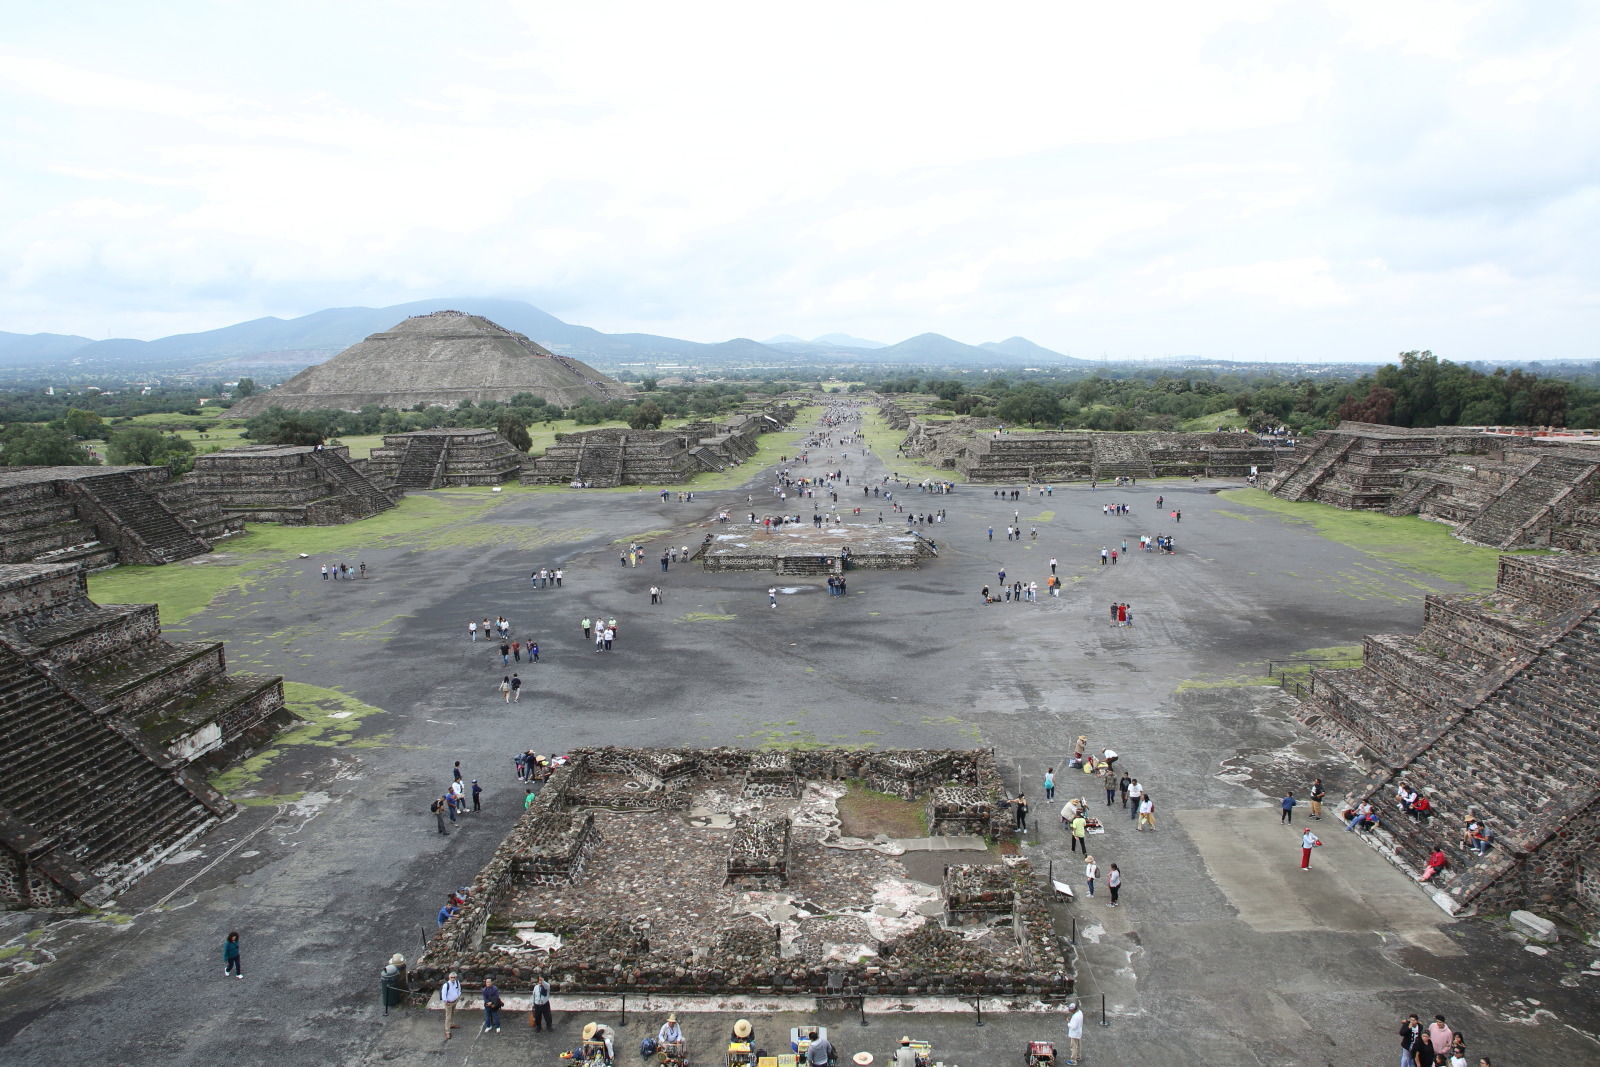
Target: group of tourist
[
  {"x": 342, "y": 572},
  {"x": 453, "y": 801},
  {"x": 1433, "y": 1045}
]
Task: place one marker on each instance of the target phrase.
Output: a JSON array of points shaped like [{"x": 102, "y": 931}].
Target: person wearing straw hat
[
  {"x": 905, "y": 1055},
  {"x": 601, "y": 1033},
  {"x": 743, "y": 1031},
  {"x": 670, "y": 1036}
]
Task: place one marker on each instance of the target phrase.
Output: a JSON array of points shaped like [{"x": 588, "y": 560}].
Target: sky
[{"x": 1240, "y": 179}]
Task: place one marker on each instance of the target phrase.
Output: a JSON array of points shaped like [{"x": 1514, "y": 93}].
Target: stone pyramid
[{"x": 441, "y": 358}]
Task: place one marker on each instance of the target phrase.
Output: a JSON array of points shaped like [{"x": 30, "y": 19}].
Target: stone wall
[
  {"x": 293, "y": 485},
  {"x": 615, "y": 954},
  {"x": 432, "y": 459},
  {"x": 1497, "y": 489},
  {"x": 1491, "y": 712},
  {"x": 615, "y": 456}
]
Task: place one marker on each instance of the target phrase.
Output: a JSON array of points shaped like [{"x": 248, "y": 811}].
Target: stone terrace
[
  {"x": 100, "y": 516},
  {"x": 1491, "y": 710},
  {"x": 100, "y": 721},
  {"x": 432, "y": 459},
  {"x": 295, "y": 485},
  {"x": 993, "y": 455},
  {"x": 1501, "y": 490},
  {"x": 803, "y": 549},
  {"x": 710, "y": 890}
]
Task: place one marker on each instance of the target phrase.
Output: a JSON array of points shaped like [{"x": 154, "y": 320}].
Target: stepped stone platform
[
  {"x": 297, "y": 485},
  {"x": 439, "y": 359},
  {"x": 1501, "y": 489},
  {"x": 803, "y": 549},
  {"x": 432, "y": 459},
  {"x": 981, "y": 451},
  {"x": 1491, "y": 712},
  {"x": 103, "y": 727},
  {"x": 101, "y": 516},
  {"x": 761, "y": 895},
  {"x": 612, "y": 456}
]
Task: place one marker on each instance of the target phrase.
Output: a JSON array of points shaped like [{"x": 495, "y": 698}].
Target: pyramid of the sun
[{"x": 442, "y": 358}]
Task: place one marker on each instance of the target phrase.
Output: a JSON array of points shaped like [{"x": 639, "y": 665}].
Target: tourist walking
[
  {"x": 1114, "y": 883},
  {"x": 1286, "y": 809},
  {"x": 505, "y": 688},
  {"x": 472, "y": 630},
  {"x": 1021, "y": 808},
  {"x": 772, "y": 597},
  {"x": 1091, "y": 871},
  {"x": 1050, "y": 784},
  {"x": 1147, "y": 812},
  {"x": 477, "y": 791},
  {"x": 1308, "y": 841},
  {"x": 516, "y": 688},
  {"x": 450, "y": 996},
  {"x": 1080, "y": 828},
  {"x": 1135, "y": 795},
  {"x": 1074, "y": 1033},
  {"x": 1108, "y": 779},
  {"x": 655, "y": 594},
  {"x": 437, "y": 807},
  {"x": 230, "y": 957}
]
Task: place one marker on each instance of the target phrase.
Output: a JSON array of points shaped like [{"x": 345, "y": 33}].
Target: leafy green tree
[
  {"x": 297, "y": 428},
  {"x": 85, "y": 424},
  {"x": 23, "y": 445},
  {"x": 138, "y": 446},
  {"x": 246, "y": 387},
  {"x": 646, "y": 416},
  {"x": 513, "y": 429}
]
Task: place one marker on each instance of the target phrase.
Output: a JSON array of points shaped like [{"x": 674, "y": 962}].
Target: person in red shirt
[{"x": 1437, "y": 862}]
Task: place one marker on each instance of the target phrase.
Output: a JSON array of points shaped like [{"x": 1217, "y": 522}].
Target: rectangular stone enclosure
[{"x": 729, "y": 871}]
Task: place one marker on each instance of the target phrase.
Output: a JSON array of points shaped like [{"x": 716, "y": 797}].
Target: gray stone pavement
[{"x": 1222, "y": 953}]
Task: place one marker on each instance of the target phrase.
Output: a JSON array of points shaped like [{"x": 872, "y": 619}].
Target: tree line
[{"x": 1420, "y": 390}]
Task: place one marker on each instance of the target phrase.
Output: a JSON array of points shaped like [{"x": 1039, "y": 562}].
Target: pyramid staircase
[
  {"x": 145, "y": 529},
  {"x": 1302, "y": 479},
  {"x": 86, "y": 805},
  {"x": 1489, "y": 712},
  {"x": 422, "y": 466},
  {"x": 355, "y": 483},
  {"x": 1530, "y": 500}
]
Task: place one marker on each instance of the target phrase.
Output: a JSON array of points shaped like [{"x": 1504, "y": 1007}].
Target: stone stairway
[
  {"x": 79, "y": 794},
  {"x": 704, "y": 457},
  {"x": 1409, "y": 502},
  {"x": 1305, "y": 476},
  {"x": 1524, "y": 759},
  {"x": 355, "y": 483},
  {"x": 1522, "y": 503},
  {"x": 154, "y": 532},
  {"x": 805, "y": 565},
  {"x": 420, "y": 466},
  {"x": 1120, "y": 456}
]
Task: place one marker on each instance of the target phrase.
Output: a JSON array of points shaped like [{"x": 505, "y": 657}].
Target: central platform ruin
[
  {"x": 803, "y": 548},
  {"x": 726, "y": 871}
]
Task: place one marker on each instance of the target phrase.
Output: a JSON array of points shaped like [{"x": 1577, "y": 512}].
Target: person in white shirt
[
  {"x": 450, "y": 996},
  {"x": 1074, "y": 1033}
]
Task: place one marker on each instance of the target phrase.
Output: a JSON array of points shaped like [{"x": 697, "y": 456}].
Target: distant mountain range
[{"x": 288, "y": 345}]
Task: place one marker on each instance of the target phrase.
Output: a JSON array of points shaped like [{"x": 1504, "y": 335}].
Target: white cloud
[{"x": 1328, "y": 180}]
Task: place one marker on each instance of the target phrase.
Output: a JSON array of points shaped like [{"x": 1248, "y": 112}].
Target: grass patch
[
  {"x": 331, "y": 721},
  {"x": 1297, "y": 669},
  {"x": 706, "y": 616},
  {"x": 1228, "y": 420},
  {"x": 866, "y": 813},
  {"x": 769, "y": 447},
  {"x": 1428, "y": 547},
  {"x": 445, "y": 516},
  {"x": 885, "y": 441}
]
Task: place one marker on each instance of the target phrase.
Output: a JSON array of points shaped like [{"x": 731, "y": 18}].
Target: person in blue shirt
[{"x": 1286, "y": 806}]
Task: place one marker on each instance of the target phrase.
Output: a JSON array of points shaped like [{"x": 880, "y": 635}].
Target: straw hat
[
  {"x": 397, "y": 960},
  {"x": 671, "y": 1018},
  {"x": 741, "y": 1028},
  {"x": 863, "y": 1058},
  {"x": 589, "y": 1030}
]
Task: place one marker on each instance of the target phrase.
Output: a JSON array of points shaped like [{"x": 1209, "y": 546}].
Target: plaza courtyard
[{"x": 1223, "y": 951}]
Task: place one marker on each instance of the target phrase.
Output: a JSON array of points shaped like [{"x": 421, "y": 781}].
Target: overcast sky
[{"x": 1297, "y": 180}]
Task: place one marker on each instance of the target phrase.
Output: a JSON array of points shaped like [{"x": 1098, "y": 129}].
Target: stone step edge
[{"x": 656, "y": 1004}]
